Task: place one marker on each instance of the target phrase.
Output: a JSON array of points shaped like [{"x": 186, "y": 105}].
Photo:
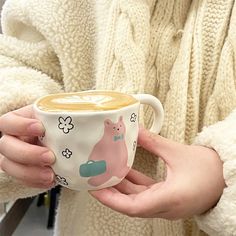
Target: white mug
[{"x": 93, "y": 135}]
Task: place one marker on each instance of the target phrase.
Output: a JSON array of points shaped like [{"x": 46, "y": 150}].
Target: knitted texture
[
  {"x": 181, "y": 51},
  {"x": 122, "y": 63}
]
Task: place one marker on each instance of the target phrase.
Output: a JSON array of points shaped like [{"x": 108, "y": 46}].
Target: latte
[{"x": 85, "y": 101}]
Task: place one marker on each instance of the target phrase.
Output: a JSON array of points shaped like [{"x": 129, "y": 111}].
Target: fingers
[
  {"x": 30, "y": 175},
  {"x": 134, "y": 182},
  {"x": 139, "y": 178},
  {"x": 112, "y": 198},
  {"x": 151, "y": 142},
  {"x": 26, "y": 111},
  {"x": 128, "y": 187},
  {"x": 28, "y": 139},
  {"x": 160, "y": 146},
  {"x": 24, "y": 153},
  {"x": 143, "y": 204},
  {"x": 21, "y": 123}
]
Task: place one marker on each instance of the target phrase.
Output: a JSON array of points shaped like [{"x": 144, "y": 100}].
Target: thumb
[{"x": 156, "y": 144}]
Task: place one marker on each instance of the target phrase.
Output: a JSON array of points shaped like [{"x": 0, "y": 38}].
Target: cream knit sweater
[{"x": 182, "y": 51}]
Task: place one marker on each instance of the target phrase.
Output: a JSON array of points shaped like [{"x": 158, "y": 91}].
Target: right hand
[{"x": 20, "y": 156}]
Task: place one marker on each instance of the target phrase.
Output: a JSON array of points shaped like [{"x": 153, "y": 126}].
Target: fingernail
[
  {"x": 47, "y": 175},
  {"x": 48, "y": 158},
  {"x": 36, "y": 128}
]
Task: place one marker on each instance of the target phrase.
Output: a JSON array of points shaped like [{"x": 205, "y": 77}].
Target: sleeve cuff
[
  {"x": 21, "y": 86},
  {"x": 10, "y": 190},
  {"x": 221, "y": 220}
]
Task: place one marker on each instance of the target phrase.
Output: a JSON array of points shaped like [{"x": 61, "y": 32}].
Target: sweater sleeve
[
  {"x": 221, "y": 136},
  {"x": 29, "y": 68},
  {"x": 46, "y": 47},
  {"x": 11, "y": 190},
  {"x": 221, "y": 220},
  {"x": 29, "y": 65}
]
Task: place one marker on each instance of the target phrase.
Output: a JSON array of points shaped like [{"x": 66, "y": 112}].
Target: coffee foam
[{"x": 85, "y": 101}]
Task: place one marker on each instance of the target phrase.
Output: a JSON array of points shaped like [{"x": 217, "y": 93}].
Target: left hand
[{"x": 193, "y": 184}]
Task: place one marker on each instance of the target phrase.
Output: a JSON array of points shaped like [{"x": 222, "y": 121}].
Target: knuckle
[{"x": 177, "y": 202}]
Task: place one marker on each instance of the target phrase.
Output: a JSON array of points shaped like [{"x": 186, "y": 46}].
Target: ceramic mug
[{"x": 93, "y": 135}]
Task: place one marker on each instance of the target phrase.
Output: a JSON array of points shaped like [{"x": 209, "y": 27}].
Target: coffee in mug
[
  {"x": 85, "y": 101},
  {"x": 93, "y": 135}
]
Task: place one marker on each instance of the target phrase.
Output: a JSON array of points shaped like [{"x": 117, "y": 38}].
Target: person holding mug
[{"x": 181, "y": 52}]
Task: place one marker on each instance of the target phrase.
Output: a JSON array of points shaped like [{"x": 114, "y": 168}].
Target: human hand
[
  {"x": 20, "y": 156},
  {"x": 193, "y": 184}
]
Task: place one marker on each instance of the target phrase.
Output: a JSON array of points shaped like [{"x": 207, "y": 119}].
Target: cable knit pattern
[
  {"x": 182, "y": 51},
  {"x": 214, "y": 32},
  {"x": 125, "y": 49}
]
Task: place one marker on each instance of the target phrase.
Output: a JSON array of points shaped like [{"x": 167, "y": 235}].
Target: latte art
[{"x": 85, "y": 101}]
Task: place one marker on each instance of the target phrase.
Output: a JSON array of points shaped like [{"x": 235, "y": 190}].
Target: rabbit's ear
[
  {"x": 121, "y": 118},
  {"x": 107, "y": 122}
]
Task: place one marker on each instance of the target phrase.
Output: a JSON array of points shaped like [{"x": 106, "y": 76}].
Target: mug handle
[{"x": 156, "y": 106}]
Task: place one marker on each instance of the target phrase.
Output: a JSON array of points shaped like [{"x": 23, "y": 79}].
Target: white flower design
[
  {"x": 65, "y": 124},
  {"x": 133, "y": 117},
  {"x": 67, "y": 153},
  {"x": 61, "y": 180}
]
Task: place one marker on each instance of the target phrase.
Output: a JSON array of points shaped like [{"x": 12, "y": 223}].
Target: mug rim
[{"x": 84, "y": 112}]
